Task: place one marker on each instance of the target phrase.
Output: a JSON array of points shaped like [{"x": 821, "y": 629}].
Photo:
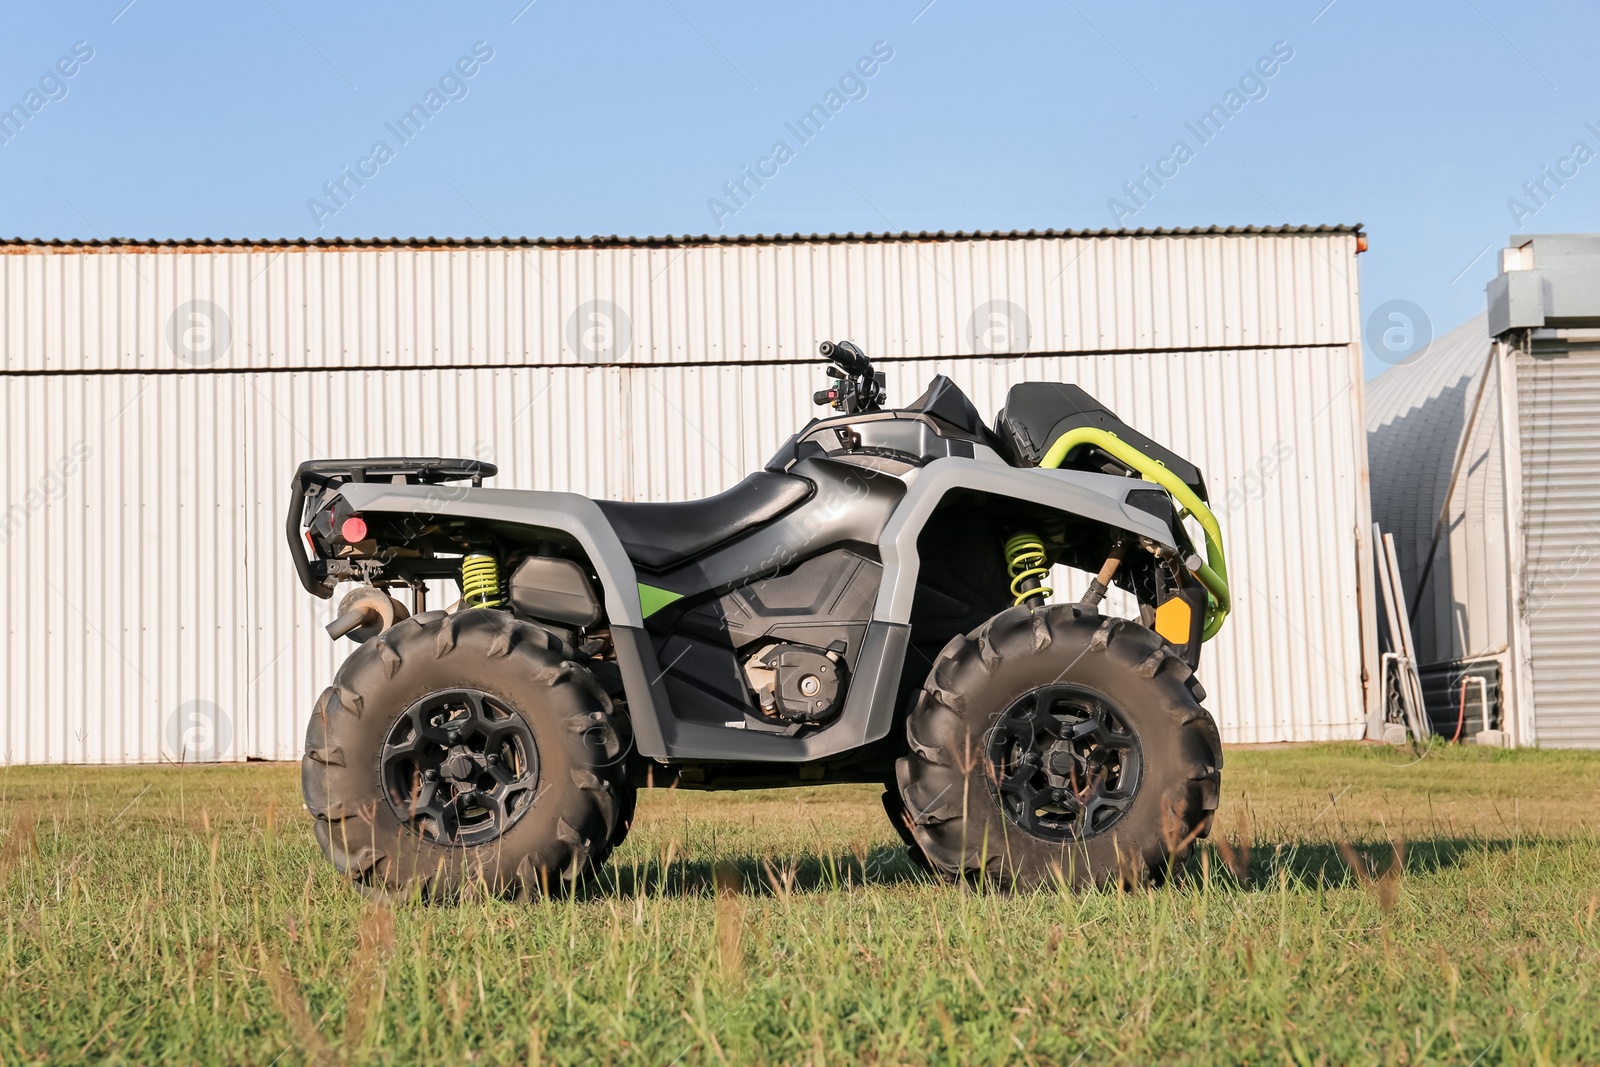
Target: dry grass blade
[
  {"x": 374, "y": 941},
  {"x": 1128, "y": 878},
  {"x": 1357, "y": 863},
  {"x": 781, "y": 879},
  {"x": 861, "y": 848},
  {"x": 730, "y": 923},
  {"x": 1178, "y": 839},
  {"x": 19, "y": 842},
  {"x": 1384, "y": 885},
  {"x": 292, "y": 1006},
  {"x": 1389, "y": 881},
  {"x": 1237, "y": 857}
]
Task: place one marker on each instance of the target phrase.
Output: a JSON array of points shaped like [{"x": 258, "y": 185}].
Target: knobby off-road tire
[
  {"x": 567, "y": 817},
  {"x": 950, "y": 781}
]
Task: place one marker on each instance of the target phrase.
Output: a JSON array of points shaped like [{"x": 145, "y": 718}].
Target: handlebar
[
  {"x": 856, "y": 387},
  {"x": 847, "y": 355}
]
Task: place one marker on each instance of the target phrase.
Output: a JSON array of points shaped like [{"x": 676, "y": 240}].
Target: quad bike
[{"x": 872, "y": 606}]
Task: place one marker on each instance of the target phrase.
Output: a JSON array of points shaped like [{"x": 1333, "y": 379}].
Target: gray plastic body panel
[
  {"x": 576, "y": 516},
  {"x": 544, "y": 587},
  {"x": 863, "y": 508},
  {"x": 581, "y": 519},
  {"x": 849, "y": 505},
  {"x": 649, "y": 710},
  {"x": 867, "y": 715},
  {"x": 1096, "y": 497}
]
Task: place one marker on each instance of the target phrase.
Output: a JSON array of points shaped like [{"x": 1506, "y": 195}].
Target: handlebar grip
[
  {"x": 852, "y": 359},
  {"x": 846, "y": 355}
]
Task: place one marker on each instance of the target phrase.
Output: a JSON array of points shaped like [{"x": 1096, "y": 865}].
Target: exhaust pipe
[
  {"x": 349, "y": 621},
  {"x": 365, "y": 613}
]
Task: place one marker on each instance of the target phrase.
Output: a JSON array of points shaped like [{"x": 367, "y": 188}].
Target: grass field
[{"x": 184, "y": 915}]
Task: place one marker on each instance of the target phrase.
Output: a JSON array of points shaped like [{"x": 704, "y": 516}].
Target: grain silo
[{"x": 1485, "y": 454}]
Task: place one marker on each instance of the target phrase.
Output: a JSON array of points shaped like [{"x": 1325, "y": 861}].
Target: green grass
[{"x": 184, "y": 915}]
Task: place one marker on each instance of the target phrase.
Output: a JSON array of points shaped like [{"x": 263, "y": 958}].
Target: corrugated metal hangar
[
  {"x": 158, "y": 397},
  {"x": 1485, "y": 455}
]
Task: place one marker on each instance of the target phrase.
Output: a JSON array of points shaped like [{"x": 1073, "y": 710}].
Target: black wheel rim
[
  {"x": 460, "y": 767},
  {"x": 1064, "y": 763}
]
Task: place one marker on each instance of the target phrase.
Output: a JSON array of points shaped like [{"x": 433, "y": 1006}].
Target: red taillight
[{"x": 353, "y": 530}]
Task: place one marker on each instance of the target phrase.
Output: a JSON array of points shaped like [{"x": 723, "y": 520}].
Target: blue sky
[{"x": 1420, "y": 120}]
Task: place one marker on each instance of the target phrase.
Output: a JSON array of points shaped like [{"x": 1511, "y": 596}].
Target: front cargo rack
[{"x": 314, "y": 479}]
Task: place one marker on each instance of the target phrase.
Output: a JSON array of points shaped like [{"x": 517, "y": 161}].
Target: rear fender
[{"x": 579, "y": 518}]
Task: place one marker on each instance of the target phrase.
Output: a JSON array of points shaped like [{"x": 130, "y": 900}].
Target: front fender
[{"x": 1097, "y": 497}]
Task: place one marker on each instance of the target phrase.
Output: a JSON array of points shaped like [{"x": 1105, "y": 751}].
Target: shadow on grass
[
  {"x": 1257, "y": 869},
  {"x": 1257, "y": 866},
  {"x": 757, "y": 876}
]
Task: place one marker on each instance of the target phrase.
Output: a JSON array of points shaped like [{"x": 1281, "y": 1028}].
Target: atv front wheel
[
  {"x": 1052, "y": 743},
  {"x": 465, "y": 749}
]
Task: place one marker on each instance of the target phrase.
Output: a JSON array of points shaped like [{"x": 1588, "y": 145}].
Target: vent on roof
[{"x": 1547, "y": 280}]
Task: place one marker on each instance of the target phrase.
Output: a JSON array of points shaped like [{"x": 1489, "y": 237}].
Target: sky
[{"x": 1423, "y": 121}]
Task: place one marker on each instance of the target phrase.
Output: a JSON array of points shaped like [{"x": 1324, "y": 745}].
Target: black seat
[
  {"x": 1037, "y": 413},
  {"x": 661, "y": 536}
]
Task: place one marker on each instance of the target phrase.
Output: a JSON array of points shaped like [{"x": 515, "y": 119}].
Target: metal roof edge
[{"x": 686, "y": 240}]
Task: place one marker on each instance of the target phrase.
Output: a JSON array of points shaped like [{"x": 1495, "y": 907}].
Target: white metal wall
[
  {"x": 1558, "y": 401},
  {"x": 152, "y": 571},
  {"x": 110, "y": 308}
]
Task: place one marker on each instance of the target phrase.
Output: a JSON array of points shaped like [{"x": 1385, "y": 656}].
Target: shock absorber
[
  {"x": 480, "y": 580},
  {"x": 1026, "y": 560},
  {"x": 1100, "y": 585}
]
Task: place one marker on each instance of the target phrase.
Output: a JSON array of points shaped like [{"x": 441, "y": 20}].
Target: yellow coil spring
[
  {"x": 1025, "y": 559},
  {"x": 480, "y": 581}
]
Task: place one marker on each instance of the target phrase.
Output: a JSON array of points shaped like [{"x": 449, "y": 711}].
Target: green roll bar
[{"x": 1213, "y": 574}]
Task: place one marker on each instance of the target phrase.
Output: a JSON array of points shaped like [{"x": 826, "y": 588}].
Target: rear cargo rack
[
  {"x": 398, "y": 470},
  {"x": 314, "y": 478}
]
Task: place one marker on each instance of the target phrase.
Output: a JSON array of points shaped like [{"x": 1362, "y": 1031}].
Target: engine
[{"x": 798, "y": 685}]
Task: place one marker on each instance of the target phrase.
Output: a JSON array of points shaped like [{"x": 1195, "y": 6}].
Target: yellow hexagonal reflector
[{"x": 1173, "y": 619}]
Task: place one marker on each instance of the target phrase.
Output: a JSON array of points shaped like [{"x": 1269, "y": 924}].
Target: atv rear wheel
[
  {"x": 1052, "y": 743},
  {"x": 460, "y": 750}
]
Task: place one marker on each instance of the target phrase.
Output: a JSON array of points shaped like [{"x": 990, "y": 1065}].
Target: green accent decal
[{"x": 652, "y": 600}]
